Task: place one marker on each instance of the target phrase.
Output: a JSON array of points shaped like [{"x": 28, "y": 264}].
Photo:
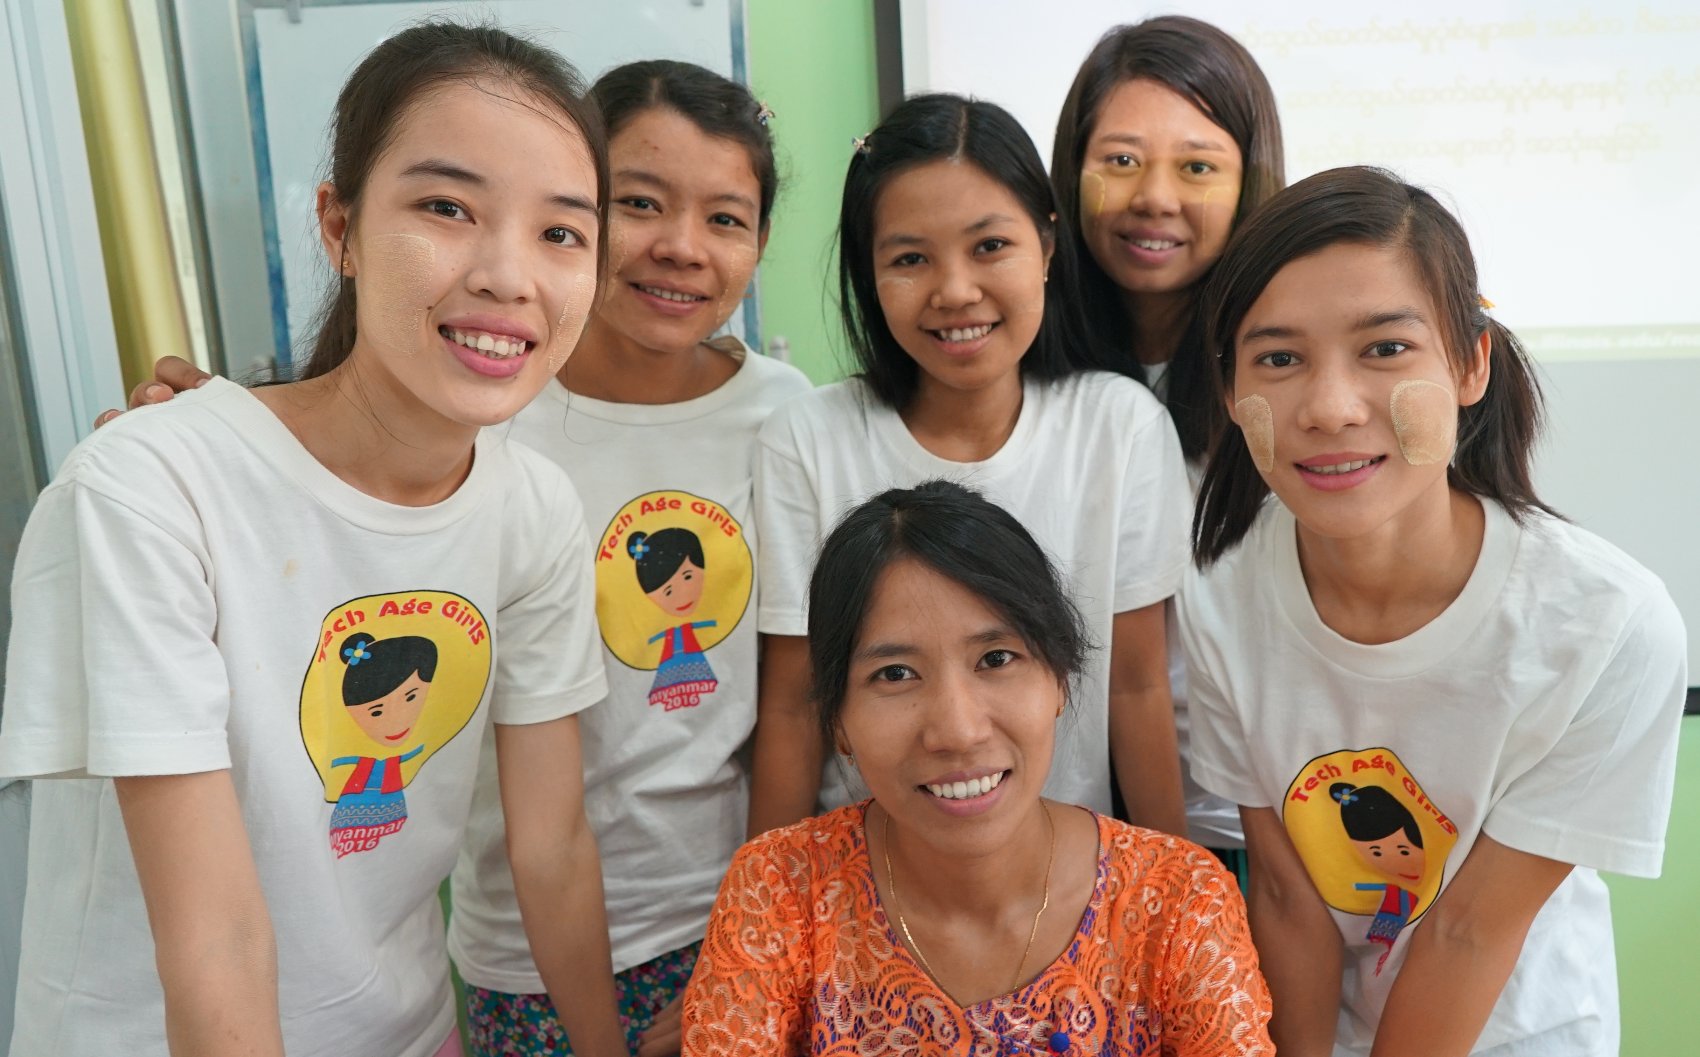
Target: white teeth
[
  {"x": 967, "y": 790},
  {"x": 670, "y": 295},
  {"x": 1340, "y": 467},
  {"x": 1155, "y": 244},
  {"x": 955, "y": 335},
  {"x": 495, "y": 348}
]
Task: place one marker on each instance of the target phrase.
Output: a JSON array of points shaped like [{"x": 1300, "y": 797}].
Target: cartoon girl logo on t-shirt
[
  {"x": 1373, "y": 842},
  {"x": 673, "y": 577},
  {"x": 379, "y": 701}
]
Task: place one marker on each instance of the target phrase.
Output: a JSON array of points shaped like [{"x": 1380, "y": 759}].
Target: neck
[
  {"x": 363, "y": 425},
  {"x": 608, "y": 365},
  {"x": 1159, "y": 321},
  {"x": 937, "y": 885},
  {"x": 964, "y": 425},
  {"x": 1389, "y": 583}
]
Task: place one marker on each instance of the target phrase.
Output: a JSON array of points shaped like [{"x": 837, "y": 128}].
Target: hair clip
[
  {"x": 1345, "y": 796},
  {"x": 355, "y": 654},
  {"x": 1484, "y": 302},
  {"x": 861, "y": 144},
  {"x": 764, "y": 113}
]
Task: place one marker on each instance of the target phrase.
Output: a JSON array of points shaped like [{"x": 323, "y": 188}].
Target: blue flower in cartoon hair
[{"x": 356, "y": 653}]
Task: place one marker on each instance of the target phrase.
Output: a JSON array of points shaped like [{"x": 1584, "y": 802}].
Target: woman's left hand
[{"x": 663, "y": 1037}]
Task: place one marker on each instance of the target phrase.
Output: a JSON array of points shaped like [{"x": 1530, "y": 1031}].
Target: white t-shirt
[
  {"x": 1093, "y": 470},
  {"x": 668, "y": 802},
  {"x": 1540, "y": 708},
  {"x": 196, "y": 592}
]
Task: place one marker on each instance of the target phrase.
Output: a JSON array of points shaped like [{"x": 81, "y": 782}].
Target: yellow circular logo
[
  {"x": 673, "y": 576},
  {"x": 1371, "y": 839},
  {"x": 393, "y": 679}
]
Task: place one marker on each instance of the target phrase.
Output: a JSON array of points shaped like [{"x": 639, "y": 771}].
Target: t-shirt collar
[
  {"x": 1423, "y": 648},
  {"x": 889, "y": 426},
  {"x": 664, "y": 414}
]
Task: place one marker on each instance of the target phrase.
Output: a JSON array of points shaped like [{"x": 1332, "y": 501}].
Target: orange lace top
[{"x": 800, "y": 961}]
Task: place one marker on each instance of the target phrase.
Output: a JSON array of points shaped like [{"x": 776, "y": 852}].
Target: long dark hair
[
  {"x": 659, "y": 555},
  {"x": 958, "y": 533},
  {"x": 716, "y": 105},
  {"x": 1372, "y": 207},
  {"x": 379, "y": 93},
  {"x": 1369, "y": 812},
  {"x": 1205, "y": 65},
  {"x": 941, "y": 127}
]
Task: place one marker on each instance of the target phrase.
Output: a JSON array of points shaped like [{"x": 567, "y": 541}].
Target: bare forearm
[
  {"x": 561, "y": 905},
  {"x": 785, "y": 782},
  {"x": 789, "y": 748},
  {"x": 213, "y": 941},
  {"x": 1147, "y": 759},
  {"x": 1298, "y": 945}
]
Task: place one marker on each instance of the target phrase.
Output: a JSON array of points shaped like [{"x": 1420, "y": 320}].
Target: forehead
[
  {"x": 1337, "y": 287},
  {"x": 915, "y": 602},
  {"x": 662, "y": 141},
  {"x": 1154, "y": 112},
  {"x": 490, "y": 120},
  {"x": 943, "y": 197}
]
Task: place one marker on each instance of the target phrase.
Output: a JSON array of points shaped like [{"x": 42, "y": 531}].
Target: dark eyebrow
[
  {"x": 987, "y": 221},
  {"x": 643, "y": 177},
  {"x": 1272, "y": 331},
  {"x": 444, "y": 169},
  {"x": 1406, "y": 314},
  {"x": 450, "y": 171},
  {"x": 1139, "y": 141},
  {"x": 883, "y": 650}
]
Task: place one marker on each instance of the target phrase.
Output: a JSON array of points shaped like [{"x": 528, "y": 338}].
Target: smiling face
[
  {"x": 390, "y": 718},
  {"x": 1327, "y": 347},
  {"x": 960, "y": 269},
  {"x": 682, "y": 591},
  {"x": 473, "y": 252},
  {"x": 1159, "y": 186},
  {"x": 950, "y": 717},
  {"x": 684, "y": 232},
  {"x": 1395, "y": 858}
]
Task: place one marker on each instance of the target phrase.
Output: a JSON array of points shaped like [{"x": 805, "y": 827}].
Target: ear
[
  {"x": 761, "y": 240},
  {"x": 333, "y": 228},
  {"x": 1047, "y": 249},
  {"x": 1473, "y": 385}
]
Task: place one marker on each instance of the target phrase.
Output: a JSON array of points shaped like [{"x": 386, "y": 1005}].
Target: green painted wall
[
  {"x": 1658, "y": 927},
  {"x": 812, "y": 62}
]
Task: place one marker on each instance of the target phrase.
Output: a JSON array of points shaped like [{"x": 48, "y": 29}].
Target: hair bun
[
  {"x": 354, "y": 648},
  {"x": 635, "y": 545}
]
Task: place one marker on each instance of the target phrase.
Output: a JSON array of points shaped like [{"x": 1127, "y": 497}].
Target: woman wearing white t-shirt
[
  {"x": 260, "y": 634},
  {"x": 957, "y": 284},
  {"x": 1168, "y": 137},
  {"x": 655, "y": 422},
  {"x": 1440, "y": 707}
]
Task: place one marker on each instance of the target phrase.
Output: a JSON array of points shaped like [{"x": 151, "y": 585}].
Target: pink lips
[
  {"x": 666, "y": 307},
  {"x": 1151, "y": 258},
  {"x": 970, "y": 807},
  {"x": 482, "y": 364},
  {"x": 1342, "y": 481}
]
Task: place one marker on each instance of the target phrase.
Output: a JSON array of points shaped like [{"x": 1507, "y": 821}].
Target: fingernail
[
  {"x": 201, "y": 381},
  {"x": 159, "y": 392}
]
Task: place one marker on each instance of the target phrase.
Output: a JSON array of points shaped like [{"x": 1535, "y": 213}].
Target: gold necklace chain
[{"x": 891, "y": 883}]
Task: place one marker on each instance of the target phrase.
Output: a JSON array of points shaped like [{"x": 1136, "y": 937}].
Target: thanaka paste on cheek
[
  {"x": 741, "y": 261},
  {"x": 1425, "y": 420},
  {"x": 395, "y": 273},
  {"x": 575, "y": 312},
  {"x": 1257, "y": 423}
]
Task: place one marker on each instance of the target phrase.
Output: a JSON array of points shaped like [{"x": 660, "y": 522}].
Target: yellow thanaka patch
[
  {"x": 1425, "y": 420},
  {"x": 395, "y": 289},
  {"x": 1257, "y": 424},
  {"x": 575, "y": 311}
]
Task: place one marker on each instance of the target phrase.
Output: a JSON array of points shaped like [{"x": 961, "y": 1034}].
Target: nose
[
  {"x": 501, "y": 268},
  {"x": 957, "y": 287},
  {"x": 1157, "y": 194},
  {"x": 679, "y": 242},
  {"x": 956, "y": 721},
  {"x": 1333, "y": 399}
]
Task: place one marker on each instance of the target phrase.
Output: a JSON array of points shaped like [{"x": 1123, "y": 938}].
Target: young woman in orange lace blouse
[{"x": 958, "y": 912}]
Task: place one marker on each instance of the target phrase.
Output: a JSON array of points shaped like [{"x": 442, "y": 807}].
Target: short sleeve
[
  {"x": 1155, "y": 518},
  {"x": 1217, "y": 1001},
  {"x": 1221, "y": 758},
  {"x": 1601, "y": 797},
  {"x": 548, "y": 648},
  {"x": 113, "y": 669},
  {"x": 788, "y": 529},
  {"x": 749, "y": 994}
]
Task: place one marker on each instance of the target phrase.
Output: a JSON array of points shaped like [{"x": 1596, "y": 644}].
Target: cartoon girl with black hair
[
  {"x": 1386, "y": 836},
  {"x": 670, "y": 571},
  {"x": 384, "y": 688}
]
